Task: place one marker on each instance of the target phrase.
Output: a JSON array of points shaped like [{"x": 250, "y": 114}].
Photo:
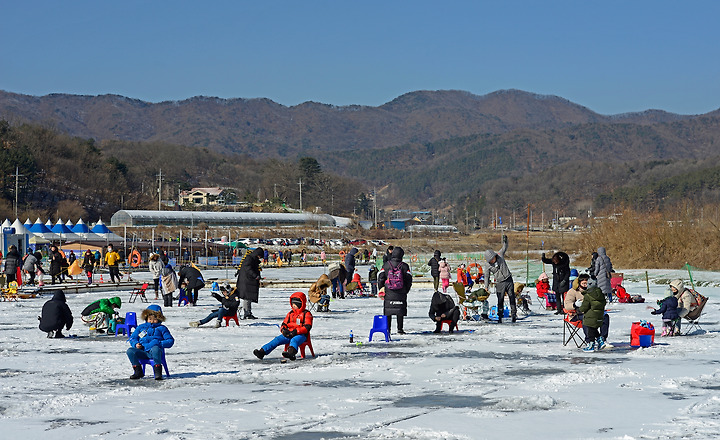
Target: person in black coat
[
  {"x": 55, "y": 258},
  {"x": 395, "y": 299},
  {"x": 386, "y": 255},
  {"x": 442, "y": 308},
  {"x": 248, "y": 280},
  {"x": 561, "y": 277},
  {"x": 350, "y": 261},
  {"x": 434, "y": 264},
  {"x": 194, "y": 280},
  {"x": 12, "y": 262},
  {"x": 55, "y": 315}
]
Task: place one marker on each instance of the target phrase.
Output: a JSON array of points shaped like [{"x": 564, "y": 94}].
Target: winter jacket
[
  {"x": 461, "y": 276},
  {"x": 373, "y": 274},
  {"x": 299, "y": 321},
  {"x": 102, "y": 305},
  {"x": 337, "y": 270},
  {"x": 319, "y": 288},
  {"x": 230, "y": 303},
  {"x": 350, "y": 260},
  {"x": 669, "y": 309},
  {"x": 542, "y": 287},
  {"x": 686, "y": 301},
  {"x": 88, "y": 262},
  {"x": 29, "y": 263},
  {"x": 156, "y": 267},
  {"x": 169, "y": 280},
  {"x": 150, "y": 335},
  {"x": 441, "y": 304},
  {"x": 593, "y": 307},
  {"x": 248, "y": 275},
  {"x": 56, "y": 314},
  {"x": 603, "y": 270},
  {"x": 561, "y": 272},
  {"x": 571, "y": 297},
  {"x": 434, "y": 264},
  {"x": 444, "y": 270},
  {"x": 12, "y": 262},
  {"x": 500, "y": 268},
  {"x": 112, "y": 258},
  {"x": 395, "y": 301},
  {"x": 193, "y": 276}
]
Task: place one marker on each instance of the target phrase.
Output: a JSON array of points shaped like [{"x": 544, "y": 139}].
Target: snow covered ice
[{"x": 488, "y": 380}]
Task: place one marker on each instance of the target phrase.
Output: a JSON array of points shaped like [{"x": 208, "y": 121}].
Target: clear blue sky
[{"x": 611, "y": 56}]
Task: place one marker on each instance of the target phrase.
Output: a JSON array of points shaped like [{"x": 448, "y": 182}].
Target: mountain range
[{"x": 463, "y": 149}]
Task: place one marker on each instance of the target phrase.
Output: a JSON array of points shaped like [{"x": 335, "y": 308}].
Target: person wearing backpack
[{"x": 396, "y": 279}]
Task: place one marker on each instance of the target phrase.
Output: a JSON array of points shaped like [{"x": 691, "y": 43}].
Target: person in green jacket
[
  {"x": 593, "y": 310},
  {"x": 106, "y": 306}
]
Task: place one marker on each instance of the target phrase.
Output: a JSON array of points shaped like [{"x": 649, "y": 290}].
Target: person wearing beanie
[
  {"x": 561, "y": 277},
  {"x": 149, "y": 341},
  {"x": 503, "y": 279},
  {"x": 574, "y": 298},
  {"x": 686, "y": 300},
  {"x": 593, "y": 310},
  {"x": 295, "y": 329},
  {"x": 670, "y": 312},
  {"x": 395, "y": 280}
]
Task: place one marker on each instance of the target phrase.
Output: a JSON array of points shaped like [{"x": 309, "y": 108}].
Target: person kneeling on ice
[
  {"x": 55, "y": 315},
  {"x": 670, "y": 311},
  {"x": 443, "y": 308},
  {"x": 107, "y": 308},
  {"x": 593, "y": 310},
  {"x": 230, "y": 303},
  {"x": 149, "y": 341},
  {"x": 294, "y": 330}
]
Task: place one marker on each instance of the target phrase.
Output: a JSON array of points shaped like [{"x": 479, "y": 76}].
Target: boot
[
  {"x": 290, "y": 353},
  {"x": 157, "y": 369},
  {"x": 50, "y": 334},
  {"x": 600, "y": 343},
  {"x": 137, "y": 372},
  {"x": 590, "y": 347},
  {"x": 438, "y": 327},
  {"x": 499, "y": 321},
  {"x": 260, "y": 353},
  {"x": 218, "y": 323},
  {"x": 513, "y": 313},
  {"x": 58, "y": 334},
  {"x": 194, "y": 324}
]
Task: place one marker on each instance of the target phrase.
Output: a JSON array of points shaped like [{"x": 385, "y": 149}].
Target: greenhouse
[{"x": 218, "y": 219}]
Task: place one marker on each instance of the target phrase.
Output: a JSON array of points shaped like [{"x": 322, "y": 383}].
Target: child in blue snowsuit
[
  {"x": 670, "y": 312},
  {"x": 149, "y": 341}
]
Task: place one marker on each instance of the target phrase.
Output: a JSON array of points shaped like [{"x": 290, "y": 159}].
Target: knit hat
[
  {"x": 489, "y": 255},
  {"x": 573, "y": 272},
  {"x": 296, "y": 302},
  {"x": 154, "y": 307},
  {"x": 678, "y": 284},
  {"x": 543, "y": 276}
]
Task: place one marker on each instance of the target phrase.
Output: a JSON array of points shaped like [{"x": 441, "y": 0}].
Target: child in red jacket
[{"x": 294, "y": 330}]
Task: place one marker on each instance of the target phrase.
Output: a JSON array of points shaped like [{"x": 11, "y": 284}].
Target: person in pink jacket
[{"x": 444, "y": 274}]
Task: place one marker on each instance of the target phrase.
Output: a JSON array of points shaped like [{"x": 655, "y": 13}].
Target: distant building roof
[{"x": 236, "y": 219}]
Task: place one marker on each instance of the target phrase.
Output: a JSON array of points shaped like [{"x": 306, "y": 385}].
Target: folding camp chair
[
  {"x": 693, "y": 318},
  {"x": 573, "y": 331},
  {"x": 139, "y": 292},
  {"x": 468, "y": 310}
]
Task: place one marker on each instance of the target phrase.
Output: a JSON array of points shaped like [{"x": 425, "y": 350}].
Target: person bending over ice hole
[
  {"x": 230, "y": 303},
  {"x": 55, "y": 315},
  {"x": 149, "y": 341},
  {"x": 503, "y": 279},
  {"x": 442, "y": 308},
  {"x": 294, "y": 330}
]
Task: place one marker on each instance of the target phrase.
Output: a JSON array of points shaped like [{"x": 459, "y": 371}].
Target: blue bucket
[{"x": 645, "y": 340}]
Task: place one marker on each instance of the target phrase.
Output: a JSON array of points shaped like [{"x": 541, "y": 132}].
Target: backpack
[{"x": 395, "y": 279}]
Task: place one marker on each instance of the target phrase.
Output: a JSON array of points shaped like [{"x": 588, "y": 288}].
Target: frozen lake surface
[{"x": 485, "y": 381}]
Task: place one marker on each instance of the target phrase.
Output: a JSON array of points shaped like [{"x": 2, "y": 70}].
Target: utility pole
[
  {"x": 375, "y": 207},
  {"x": 17, "y": 188},
  {"x": 300, "y": 183},
  {"x": 159, "y": 176}
]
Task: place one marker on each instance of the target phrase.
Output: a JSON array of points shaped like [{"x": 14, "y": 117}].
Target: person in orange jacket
[
  {"x": 462, "y": 275},
  {"x": 294, "y": 330}
]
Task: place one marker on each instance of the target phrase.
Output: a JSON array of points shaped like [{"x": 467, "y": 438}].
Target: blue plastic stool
[
  {"x": 380, "y": 325},
  {"x": 215, "y": 288},
  {"x": 144, "y": 362},
  {"x": 128, "y": 325},
  {"x": 493, "y": 315}
]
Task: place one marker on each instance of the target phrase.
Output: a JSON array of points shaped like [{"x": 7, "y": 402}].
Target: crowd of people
[{"x": 581, "y": 297}]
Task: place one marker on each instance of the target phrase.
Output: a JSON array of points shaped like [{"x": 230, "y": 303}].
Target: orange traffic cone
[{"x": 101, "y": 279}]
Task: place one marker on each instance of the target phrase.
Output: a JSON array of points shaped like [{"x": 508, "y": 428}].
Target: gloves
[{"x": 289, "y": 333}]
